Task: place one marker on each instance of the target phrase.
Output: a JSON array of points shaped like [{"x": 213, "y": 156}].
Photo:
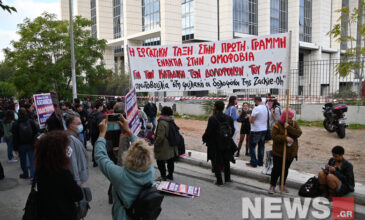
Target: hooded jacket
[
  {"x": 127, "y": 184},
  {"x": 163, "y": 150},
  {"x": 78, "y": 165}
]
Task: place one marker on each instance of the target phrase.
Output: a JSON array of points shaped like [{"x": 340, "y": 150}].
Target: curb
[{"x": 358, "y": 197}]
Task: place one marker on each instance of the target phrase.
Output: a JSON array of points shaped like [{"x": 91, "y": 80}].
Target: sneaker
[
  {"x": 22, "y": 176},
  {"x": 12, "y": 160},
  {"x": 170, "y": 177},
  {"x": 250, "y": 165},
  {"x": 271, "y": 190},
  {"x": 218, "y": 183}
]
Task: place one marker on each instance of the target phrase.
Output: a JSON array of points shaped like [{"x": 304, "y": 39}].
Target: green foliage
[
  {"x": 117, "y": 84},
  {"x": 208, "y": 105},
  {"x": 320, "y": 124},
  {"x": 42, "y": 58},
  {"x": 5, "y": 71},
  {"x": 7, "y": 89},
  {"x": 7, "y": 7}
]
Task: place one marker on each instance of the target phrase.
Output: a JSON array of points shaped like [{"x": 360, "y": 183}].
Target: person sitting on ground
[
  {"x": 57, "y": 190},
  {"x": 337, "y": 179},
  {"x": 291, "y": 142},
  {"x": 164, "y": 152},
  {"x": 78, "y": 167},
  {"x": 219, "y": 150},
  {"x": 127, "y": 180}
]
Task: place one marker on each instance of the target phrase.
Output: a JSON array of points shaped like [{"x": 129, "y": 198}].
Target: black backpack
[
  {"x": 224, "y": 130},
  {"x": 310, "y": 188},
  {"x": 174, "y": 137},
  {"x": 31, "y": 210},
  {"x": 147, "y": 205},
  {"x": 26, "y": 131}
]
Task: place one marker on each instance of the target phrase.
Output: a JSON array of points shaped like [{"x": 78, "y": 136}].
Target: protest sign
[
  {"x": 253, "y": 62},
  {"x": 179, "y": 189},
  {"x": 44, "y": 107},
  {"x": 131, "y": 109}
]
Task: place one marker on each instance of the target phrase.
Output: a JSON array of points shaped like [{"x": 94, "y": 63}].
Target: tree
[
  {"x": 7, "y": 7},
  {"x": 42, "y": 58},
  {"x": 117, "y": 84},
  {"x": 7, "y": 89},
  {"x": 5, "y": 71},
  {"x": 353, "y": 61}
]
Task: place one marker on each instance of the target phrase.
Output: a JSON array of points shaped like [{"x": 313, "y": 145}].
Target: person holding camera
[{"x": 337, "y": 178}]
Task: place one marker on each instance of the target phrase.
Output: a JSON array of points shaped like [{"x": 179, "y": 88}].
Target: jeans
[
  {"x": 257, "y": 138},
  {"x": 27, "y": 152},
  {"x": 10, "y": 143},
  {"x": 276, "y": 170},
  {"x": 153, "y": 121}
]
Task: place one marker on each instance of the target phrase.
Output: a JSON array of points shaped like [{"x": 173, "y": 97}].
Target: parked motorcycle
[{"x": 335, "y": 118}]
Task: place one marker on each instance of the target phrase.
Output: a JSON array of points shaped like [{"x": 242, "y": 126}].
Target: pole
[
  {"x": 286, "y": 118},
  {"x": 129, "y": 69},
  {"x": 73, "y": 61}
]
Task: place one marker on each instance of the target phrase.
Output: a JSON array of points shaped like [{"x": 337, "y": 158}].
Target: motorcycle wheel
[
  {"x": 326, "y": 124},
  {"x": 341, "y": 132}
]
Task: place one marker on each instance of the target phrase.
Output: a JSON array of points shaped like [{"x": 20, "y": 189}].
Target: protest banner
[
  {"x": 44, "y": 107},
  {"x": 179, "y": 189},
  {"x": 252, "y": 62},
  {"x": 131, "y": 109}
]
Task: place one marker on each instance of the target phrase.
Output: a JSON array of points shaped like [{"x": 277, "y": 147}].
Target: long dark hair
[
  {"x": 232, "y": 101},
  {"x": 9, "y": 117}
]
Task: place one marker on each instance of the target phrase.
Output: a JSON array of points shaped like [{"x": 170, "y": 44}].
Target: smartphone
[
  {"x": 113, "y": 118},
  {"x": 113, "y": 127}
]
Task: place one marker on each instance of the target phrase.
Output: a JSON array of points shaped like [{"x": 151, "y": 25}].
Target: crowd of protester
[{"x": 56, "y": 157}]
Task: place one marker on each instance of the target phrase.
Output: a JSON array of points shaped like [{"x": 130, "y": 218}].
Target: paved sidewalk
[{"x": 295, "y": 179}]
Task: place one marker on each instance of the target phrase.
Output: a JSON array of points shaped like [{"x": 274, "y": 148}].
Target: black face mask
[{"x": 255, "y": 104}]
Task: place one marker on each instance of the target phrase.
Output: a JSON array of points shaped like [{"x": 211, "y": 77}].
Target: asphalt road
[{"x": 224, "y": 202}]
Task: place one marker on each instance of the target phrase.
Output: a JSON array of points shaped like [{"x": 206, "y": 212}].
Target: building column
[
  {"x": 263, "y": 23},
  {"x": 226, "y": 19},
  {"x": 104, "y": 19},
  {"x": 293, "y": 26},
  {"x": 109, "y": 58},
  {"x": 64, "y": 12},
  {"x": 170, "y": 22},
  {"x": 83, "y": 8}
]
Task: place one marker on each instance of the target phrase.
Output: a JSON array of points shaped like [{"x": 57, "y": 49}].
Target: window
[
  {"x": 118, "y": 28},
  {"x": 152, "y": 42},
  {"x": 344, "y": 25},
  {"x": 301, "y": 64},
  {"x": 150, "y": 14},
  {"x": 245, "y": 16},
  {"x": 325, "y": 88},
  {"x": 305, "y": 20},
  {"x": 300, "y": 90},
  {"x": 187, "y": 19},
  {"x": 93, "y": 18},
  {"x": 278, "y": 16}
]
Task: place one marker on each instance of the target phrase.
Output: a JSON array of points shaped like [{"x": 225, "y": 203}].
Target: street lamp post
[{"x": 73, "y": 61}]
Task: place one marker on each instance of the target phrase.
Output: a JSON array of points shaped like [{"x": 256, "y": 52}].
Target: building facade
[{"x": 160, "y": 22}]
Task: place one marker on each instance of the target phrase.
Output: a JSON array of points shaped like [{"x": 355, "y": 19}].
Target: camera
[{"x": 113, "y": 117}]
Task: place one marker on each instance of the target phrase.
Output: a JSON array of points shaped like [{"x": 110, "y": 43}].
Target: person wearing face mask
[
  {"x": 151, "y": 111},
  {"x": 231, "y": 111},
  {"x": 78, "y": 165},
  {"x": 291, "y": 142}
]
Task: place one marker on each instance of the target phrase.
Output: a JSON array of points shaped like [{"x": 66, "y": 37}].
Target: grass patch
[
  {"x": 310, "y": 123},
  {"x": 356, "y": 126},
  {"x": 192, "y": 117}
]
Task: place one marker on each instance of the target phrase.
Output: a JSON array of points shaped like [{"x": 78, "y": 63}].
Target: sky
[{"x": 26, "y": 9}]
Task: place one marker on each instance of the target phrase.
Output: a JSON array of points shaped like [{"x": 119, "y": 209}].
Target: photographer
[{"x": 337, "y": 179}]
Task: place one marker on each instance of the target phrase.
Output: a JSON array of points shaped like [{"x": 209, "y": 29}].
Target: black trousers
[
  {"x": 161, "y": 164},
  {"x": 1, "y": 172},
  {"x": 221, "y": 162},
  {"x": 276, "y": 170}
]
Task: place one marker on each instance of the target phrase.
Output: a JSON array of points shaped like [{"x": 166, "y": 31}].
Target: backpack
[
  {"x": 224, "y": 130},
  {"x": 31, "y": 210},
  {"x": 147, "y": 205},
  {"x": 93, "y": 126},
  {"x": 26, "y": 131},
  {"x": 1, "y": 130},
  {"x": 310, "y": 188},
  {"x": 174, "y": 135}
]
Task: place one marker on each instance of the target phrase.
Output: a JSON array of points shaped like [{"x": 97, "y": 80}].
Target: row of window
[{"x": 245, "y": 17}]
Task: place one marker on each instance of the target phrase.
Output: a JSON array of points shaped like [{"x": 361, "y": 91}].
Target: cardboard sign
[
  {"x": 253, "y": 62},
  {"x": 44, "y": 106},
  {"x": 131, "y": 109}
]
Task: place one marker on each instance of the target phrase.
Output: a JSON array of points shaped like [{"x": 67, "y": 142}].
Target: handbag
[
  {"x": 268, "y": 131},
  {"x": 83, "y": 206},
  {"x": 31, "y": 210}
]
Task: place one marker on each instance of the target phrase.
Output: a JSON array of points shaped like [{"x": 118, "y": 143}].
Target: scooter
[{"x": 335, "y": 118}]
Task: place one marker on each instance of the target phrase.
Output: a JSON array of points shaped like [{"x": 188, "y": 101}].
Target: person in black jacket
[
  {"x": 219, "y": 151},
  {"x": 83, "y": 116},
  {"x": 338, "y": 176},
  {"x": 57, "y": 189},
  {"x": 24, "y": 133},
  {"x": 151, "y": 111},
  {"x": 95, "y": 118}
]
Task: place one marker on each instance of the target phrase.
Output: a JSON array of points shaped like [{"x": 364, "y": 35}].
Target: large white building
[{"x": 159, "y": 22}]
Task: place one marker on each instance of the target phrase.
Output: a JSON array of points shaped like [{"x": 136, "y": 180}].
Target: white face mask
[{"x": 69, "y": 151}]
